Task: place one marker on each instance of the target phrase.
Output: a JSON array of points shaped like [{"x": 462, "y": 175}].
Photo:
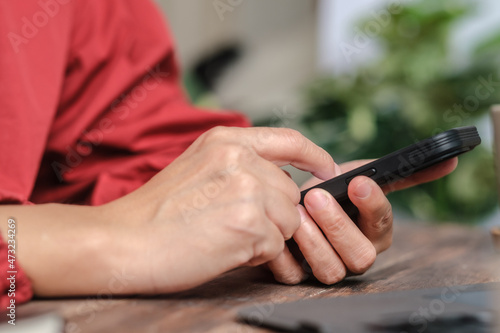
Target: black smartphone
[{"x": 402, "y": 163}]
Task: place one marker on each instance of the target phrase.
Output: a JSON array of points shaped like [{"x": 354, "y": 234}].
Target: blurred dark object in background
[
  {"x": 201, "y": 81},
  {"x": 278, "y": 50},
  {"x": 212, "y": 66}
]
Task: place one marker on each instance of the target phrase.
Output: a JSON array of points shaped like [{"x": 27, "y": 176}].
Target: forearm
[{"x": 65, "y": 249}]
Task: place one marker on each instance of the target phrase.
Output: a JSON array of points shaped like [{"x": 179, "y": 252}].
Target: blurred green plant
[{"x": 413, "y": 91}]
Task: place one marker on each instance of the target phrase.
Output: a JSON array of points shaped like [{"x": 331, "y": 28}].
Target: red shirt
[{"x": 90, "y": 101}]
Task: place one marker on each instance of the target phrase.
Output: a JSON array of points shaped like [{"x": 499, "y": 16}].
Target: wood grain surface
[{"x": 421, "y": 257}]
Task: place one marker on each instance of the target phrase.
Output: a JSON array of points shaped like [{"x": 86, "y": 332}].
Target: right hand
[{"x": 222, "y": 204}]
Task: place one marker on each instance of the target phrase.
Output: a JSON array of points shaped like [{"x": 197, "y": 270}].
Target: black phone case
[{"x": 402, "y": 163}]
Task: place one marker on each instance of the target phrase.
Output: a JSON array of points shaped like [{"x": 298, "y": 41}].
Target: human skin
[{"x": 224, "y": 203}]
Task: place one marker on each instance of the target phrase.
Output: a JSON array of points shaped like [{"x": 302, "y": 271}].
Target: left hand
[{"x": 333, "y": 245}]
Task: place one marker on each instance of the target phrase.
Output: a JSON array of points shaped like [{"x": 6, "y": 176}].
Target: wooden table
[{"x": 421, "y": 257}]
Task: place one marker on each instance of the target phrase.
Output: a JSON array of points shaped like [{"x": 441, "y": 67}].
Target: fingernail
[
  {"x": 338, "y": 171},
  {"x": 318, "y": 200},
  {"x": 363, "y": 190}
]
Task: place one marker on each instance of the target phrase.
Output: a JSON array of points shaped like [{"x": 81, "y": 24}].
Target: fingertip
[
  {"x": 363, "y": 263},
  {"x": 316, "y": 199},
  {"x": 443, "y": 168},
  {"x": 435, "y": 172},
  {"x": 372, "y": 207},
  {"x": 451, "y": 165},
  {"x": 286, "y": 269},
  {"x": 361, "y": 188}
]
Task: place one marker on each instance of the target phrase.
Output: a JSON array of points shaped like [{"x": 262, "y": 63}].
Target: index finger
[
  {"x": 281, "y": 146},
  {"x": 284, "y": 146}
]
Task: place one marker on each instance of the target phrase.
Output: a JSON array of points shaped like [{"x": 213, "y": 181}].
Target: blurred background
[{"x": 361, "y": 79}]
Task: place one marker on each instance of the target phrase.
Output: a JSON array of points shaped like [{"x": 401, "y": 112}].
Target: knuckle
[
  {"x": 252, "y": 254},
  {"x": 243, "y": 256},
  {"x": 234, "y": 155},
  {"x": 269, "y": 249},
  {"x": 364, "y": 261},
  {"x": 384, "y": 223},
  {"x": 335, "y": 225},
  {"x": 297, "y": 221},
  {"x": 295, "y": 194},
  {"x": 230, "y": 151},
  {"x": 326, "y": 158},
  {"x": 291, "y": 223},
  {"x": 257, "y": 242},
  {"x": 295, "y": 138},
  {"x": 292, "y": 134},
  {"x": 247, "y": 185},
  {"x": 292, "y": 191},
  {"x": 247, "y": 220},
  {"x": 215, "y": 134}
]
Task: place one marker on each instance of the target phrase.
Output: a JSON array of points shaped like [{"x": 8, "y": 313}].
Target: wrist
[{"x": 125, "y": 245}]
